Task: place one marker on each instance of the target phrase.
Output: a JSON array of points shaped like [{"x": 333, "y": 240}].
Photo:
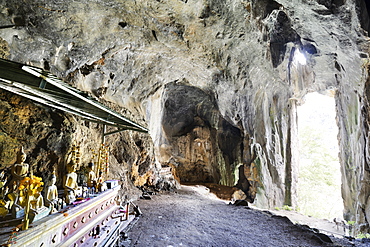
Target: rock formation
[{"x": 217, "y": 82}]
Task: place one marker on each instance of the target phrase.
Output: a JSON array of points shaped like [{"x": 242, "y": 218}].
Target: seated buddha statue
[
  {"x": 101, "y": 185},
  {"x": 17, "y": 201},
  {"x": 51, "y": 195},
  {"x": 70, "y": 183},
  {"x": 20, "y": 169},
  {"x": 37, "y": 209},
  {"x": 5, "y": 203},
  {"x": 91, "y": 179},
  {"x": 37, "y": 202}
]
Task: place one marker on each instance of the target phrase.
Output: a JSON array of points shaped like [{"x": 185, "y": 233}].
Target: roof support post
[
  {"x": 103, "y": 136},
  {"x": 115, "y": 131}
]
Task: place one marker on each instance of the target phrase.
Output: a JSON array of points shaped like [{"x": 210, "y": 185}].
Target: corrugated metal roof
[{"x": 43, "y": 87}]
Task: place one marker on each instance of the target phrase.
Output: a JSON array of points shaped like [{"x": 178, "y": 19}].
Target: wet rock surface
[{"x": 192, "y": 217}]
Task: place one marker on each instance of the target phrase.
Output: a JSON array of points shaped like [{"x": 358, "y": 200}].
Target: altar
[{"x": 97, "y": 221}]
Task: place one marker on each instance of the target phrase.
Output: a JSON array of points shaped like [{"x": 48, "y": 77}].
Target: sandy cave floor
[{"x": 192, "y": 216}]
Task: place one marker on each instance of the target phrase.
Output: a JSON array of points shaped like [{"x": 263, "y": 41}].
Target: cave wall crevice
[{"x": 205, "y": 147}]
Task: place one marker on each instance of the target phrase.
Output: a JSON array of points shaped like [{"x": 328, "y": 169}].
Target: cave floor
[{"x": 192, "y": 216}]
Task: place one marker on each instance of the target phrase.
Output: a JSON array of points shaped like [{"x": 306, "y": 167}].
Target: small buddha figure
[
  {"x": 70, "y": 183},
  {"x": 2, "y": 180},
  {"x": 37, "y": 202},
  {"x": 3, "y": 208},
  {"x": 101, "y": 183},
  {"x": 17, "y": 201},
  {"x": 51, "y": 196},
  {"x": 19, "y": 169},
  {"x": 37, "y": 209},
  {"x": 3, "y": 189},
  {"x": 5, "y": 204},
  {"x": 91, "y": 179}
]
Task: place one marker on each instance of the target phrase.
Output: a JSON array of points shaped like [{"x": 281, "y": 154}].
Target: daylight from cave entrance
[{"x": 319, "y": 182}]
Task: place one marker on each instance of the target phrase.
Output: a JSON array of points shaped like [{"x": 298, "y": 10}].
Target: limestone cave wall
[
  {"x": 217, "y": 83},
  {"x": 48, "y": 136}
]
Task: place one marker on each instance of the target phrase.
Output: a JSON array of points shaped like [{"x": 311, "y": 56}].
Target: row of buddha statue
[{"x": 25, "y": 189}]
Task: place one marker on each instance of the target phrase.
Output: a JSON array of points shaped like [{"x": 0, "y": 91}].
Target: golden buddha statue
[
  {"x": 20, "y": 169},
  {"x": 70, "y": 183},
  {"x": 5, "y": 203},
  {"x": 17, "y": 201},
  {"x": 37, "y": 202}
]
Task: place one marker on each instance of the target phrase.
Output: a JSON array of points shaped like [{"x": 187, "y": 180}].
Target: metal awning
[{"x": 43, "y": 87}]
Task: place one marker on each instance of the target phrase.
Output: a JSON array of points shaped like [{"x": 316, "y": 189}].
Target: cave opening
[{"x": 319, "y": 176}]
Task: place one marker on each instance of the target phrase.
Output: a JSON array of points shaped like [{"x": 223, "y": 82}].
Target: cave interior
[{"x": 208, "y": 92}]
